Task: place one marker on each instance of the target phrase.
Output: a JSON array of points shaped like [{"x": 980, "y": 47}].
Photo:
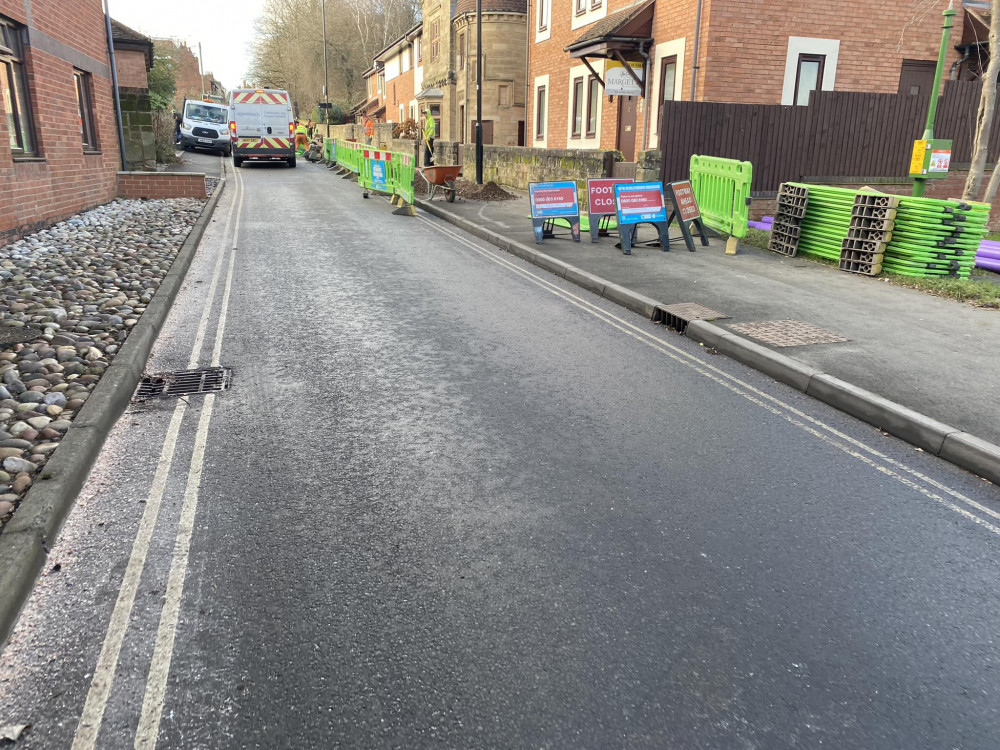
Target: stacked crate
[
  {"x": 872, "y": 222},
  {"x": 786, "y": 229},
  {"x": 848, "y": 227}
]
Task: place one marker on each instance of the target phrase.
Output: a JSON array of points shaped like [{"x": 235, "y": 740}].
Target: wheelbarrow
[{"x": 441, "y": 177}]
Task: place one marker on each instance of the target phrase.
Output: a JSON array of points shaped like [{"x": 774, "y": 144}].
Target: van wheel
[
  {"x": 291, "y": 161},
  {"x": 237, "y": 161}
]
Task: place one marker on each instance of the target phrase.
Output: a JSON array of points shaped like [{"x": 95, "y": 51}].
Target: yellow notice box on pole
[{"x": 917, "y": 159}]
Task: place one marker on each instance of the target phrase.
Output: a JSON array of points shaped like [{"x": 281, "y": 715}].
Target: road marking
[
  {"x": 89, "y": 725},
  {"x": 159, "y": 669},
  {"x": 745, "y": 390}
]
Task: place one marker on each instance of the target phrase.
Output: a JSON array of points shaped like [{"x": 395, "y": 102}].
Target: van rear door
[
  {"x": 275, "y": 120},
  {"x": 249, "y": 122}
]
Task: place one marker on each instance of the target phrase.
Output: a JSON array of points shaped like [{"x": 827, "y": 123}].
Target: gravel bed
[
  {"x": 69, "y": 295},
  {"x": 211, "y": 183}
]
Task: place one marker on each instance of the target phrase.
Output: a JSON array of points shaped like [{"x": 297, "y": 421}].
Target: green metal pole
[{"x": 919, "y": 183}]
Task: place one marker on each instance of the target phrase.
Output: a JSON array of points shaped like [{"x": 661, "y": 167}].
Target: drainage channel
[{"x": 184, "y": 383}]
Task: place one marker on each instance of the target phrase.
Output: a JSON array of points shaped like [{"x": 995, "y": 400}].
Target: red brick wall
[
  {"x": 747, "y": 41},
  {"x": 161, "y": 185},
  {"x": 743, "y": 47},
  {"x": 131, "y": 67},
  {"x": 63, "y": 180}
]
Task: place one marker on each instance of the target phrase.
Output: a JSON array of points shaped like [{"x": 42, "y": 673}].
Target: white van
[
  {"x": 203, "y": 125},
  {"x": 261, "y": 125}
]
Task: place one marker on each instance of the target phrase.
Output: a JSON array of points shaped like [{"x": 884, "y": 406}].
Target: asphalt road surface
[{"x": 453, "y": 502}]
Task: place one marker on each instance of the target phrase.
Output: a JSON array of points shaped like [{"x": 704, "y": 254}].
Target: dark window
[
  {"x": 808, "y": 77},
  {"x": 581, "y": 7},
  {"x": 85, "y": 108},
  {"x": 543, "y": 14},
  {"x": 540, "y": 113},
  {"x": 461, "y": 51},
  {"x": 461, "y": 123},
  {"x": 14, "y": 89},
  {"x": 593, "y": 98},
  {"x": 668, "y": 77},
  {"x": 577, "y": 106}
]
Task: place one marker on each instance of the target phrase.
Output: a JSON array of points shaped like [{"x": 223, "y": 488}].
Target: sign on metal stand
[
  {"x": 686, "y": 212},
  {"x": 641, "y": 203},
  {"x": 551, "y": 201},
  {"x": 601, "y": 203}
]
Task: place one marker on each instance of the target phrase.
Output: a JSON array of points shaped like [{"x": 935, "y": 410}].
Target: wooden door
[{"x": 626, "y": 126}]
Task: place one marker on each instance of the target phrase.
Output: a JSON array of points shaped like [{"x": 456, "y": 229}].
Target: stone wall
[
  {"x": 517, "y": 166},
  {"x": 382, "y": 139},
  {"x": 137, "y": 126}
]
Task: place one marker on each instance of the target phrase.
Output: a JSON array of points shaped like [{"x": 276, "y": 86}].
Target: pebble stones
[{"x": 83, "y": 283}]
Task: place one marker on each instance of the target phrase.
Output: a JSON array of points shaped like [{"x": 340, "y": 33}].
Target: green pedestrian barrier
[
  {"x": 328, "y": 150},
  {"x": 722, "y": 191}
]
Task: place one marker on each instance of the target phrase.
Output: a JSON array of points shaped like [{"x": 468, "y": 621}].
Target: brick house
[
  {"x": 749, "y": 51},
  {"x": 58, "y": 139},
  {"x": 133, "y": 61},
  {"x": 188, "y": 73},
  {"x": 393, "y": 80}
]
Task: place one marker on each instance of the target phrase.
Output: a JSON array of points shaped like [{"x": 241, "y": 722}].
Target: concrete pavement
[{"x": 453, "y": 501}]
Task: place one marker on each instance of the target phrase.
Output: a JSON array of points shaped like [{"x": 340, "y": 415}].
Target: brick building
[
  {"x": 391, "y": 83},
  {"x": 188, "y": 73},
  {"x": 748, "y": 51},
  {"x": 133, "y": 61},
  {"x": 58, "y": 140}
]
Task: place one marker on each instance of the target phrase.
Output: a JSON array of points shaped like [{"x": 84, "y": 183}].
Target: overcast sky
[{"x": 224, "y": 28}]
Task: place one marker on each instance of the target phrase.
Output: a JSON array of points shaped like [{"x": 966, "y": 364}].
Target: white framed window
[
  {"x": 665, "y": 51},
  {"x": 543, "y": 20},
  {"x": 810, "y": 64},
  {"x": 540, "y": 126},
  {"x": 585, "y": 99},
  {"x": 585, "y": 12}
]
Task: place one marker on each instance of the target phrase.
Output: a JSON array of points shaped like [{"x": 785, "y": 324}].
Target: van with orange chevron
[{"x": 261, "y": 125}]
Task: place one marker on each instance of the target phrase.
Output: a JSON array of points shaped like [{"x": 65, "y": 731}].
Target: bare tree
[
  {"x": 984, "y": 120},
  {"x": 287, "y": 50}
]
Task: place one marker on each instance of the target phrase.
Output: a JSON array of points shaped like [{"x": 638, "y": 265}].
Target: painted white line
[
  {"x": 843, "y": 442},
  {"x": 159, "y": 669},
  {"x": 89, "y": 725}
]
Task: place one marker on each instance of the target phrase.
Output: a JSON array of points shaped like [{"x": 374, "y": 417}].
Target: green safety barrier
[
  {"x": 328, "y": 149},
  {"x": 722, "y": 189},
  {"x": 399, "y": 170}
]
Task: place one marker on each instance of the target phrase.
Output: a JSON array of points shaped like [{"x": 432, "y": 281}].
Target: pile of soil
[{"x": 489, "y": 191}]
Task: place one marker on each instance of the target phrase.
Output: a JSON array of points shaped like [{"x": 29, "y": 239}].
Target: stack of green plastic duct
[{"x": 936, "y": 237}]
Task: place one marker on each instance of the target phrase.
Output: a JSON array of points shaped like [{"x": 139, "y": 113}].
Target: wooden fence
[{"x": 840, "y": 134}]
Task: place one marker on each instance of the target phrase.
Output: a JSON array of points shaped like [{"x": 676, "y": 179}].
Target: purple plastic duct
[
  {"x": 987, "y": 253},
  {"x": 988, "y": 263}
]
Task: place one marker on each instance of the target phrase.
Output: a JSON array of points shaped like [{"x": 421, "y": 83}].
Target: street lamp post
[
  {"x": 326, "y": 70},
  {"x": 479, "y": 92},
  {"x": 920, "y": 183}
]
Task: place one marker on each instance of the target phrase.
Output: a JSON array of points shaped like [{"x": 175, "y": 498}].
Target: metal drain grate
[
  {"x": 788, "y": 333},
  {"x": 185, "y": 382},
  {"x": 679, "y": 315}
]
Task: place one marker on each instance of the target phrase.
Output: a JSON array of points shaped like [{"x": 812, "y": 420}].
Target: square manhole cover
[
  {"x": 185, "y": 382},
  {"x": 788, "y": 333},
  {"x": 693, "y": 311}
]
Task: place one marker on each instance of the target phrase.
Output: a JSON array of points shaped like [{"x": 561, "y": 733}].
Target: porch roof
[{"x": 624, "y": 31}]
